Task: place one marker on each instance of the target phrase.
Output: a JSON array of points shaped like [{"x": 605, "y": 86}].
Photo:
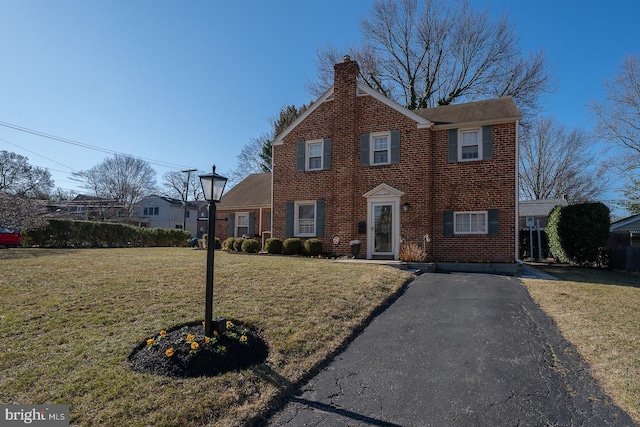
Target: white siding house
[{"x": 165, "y": 212}]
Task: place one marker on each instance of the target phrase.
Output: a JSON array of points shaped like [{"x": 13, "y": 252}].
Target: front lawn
[
  {"x": 599, "y": 312},
  {"x": 70, "y": 318}
]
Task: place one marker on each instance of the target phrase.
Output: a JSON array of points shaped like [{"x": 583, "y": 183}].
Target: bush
[
  {"x": 273, "y": 245},
  {"x": 292, "y": 246},
  {"x": 237, "y": 244},
  {"x": 313, "y": 247},
  {"x": 410, "y": 252},
  {"x": 577, "y": 233},
  {"x": 250, "y": 246},
  {"x": 229, "y": 243}
]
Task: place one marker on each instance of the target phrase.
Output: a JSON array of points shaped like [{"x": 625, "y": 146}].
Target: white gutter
[{"x": 517, "y": 177}]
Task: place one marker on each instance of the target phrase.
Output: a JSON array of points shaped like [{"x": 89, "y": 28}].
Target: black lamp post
[{"x": 212, "y": 188}]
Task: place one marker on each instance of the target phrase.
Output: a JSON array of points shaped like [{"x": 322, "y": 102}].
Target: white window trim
[
  {"x": 239, "y": 215},
  {"x": 307, "y": 151},
  {"x": 372, "y": 153},
  {"x": 296, "y": 218},
  {"x": 486, "y": 222},
  {"x": 460, "y": 145}
]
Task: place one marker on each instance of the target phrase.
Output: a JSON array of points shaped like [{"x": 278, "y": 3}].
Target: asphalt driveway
[{"x": 456, "y": 350}]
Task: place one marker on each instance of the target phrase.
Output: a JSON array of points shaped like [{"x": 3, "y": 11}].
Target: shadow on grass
[
  {"x": 590, "y": 275},
  {"x": 26, "y": 253}
]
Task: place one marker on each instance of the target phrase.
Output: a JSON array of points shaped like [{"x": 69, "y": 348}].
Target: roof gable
[{"x": 632, "y": 221}]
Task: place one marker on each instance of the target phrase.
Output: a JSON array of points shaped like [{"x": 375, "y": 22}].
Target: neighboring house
[
  {"x": 166, "y": 212},
  {"x": 625, "y": 232},
  {"x": 532, "y": 211},
  {"x": 92, "y": 208},
  {"x": 357, "y": 165},
  {"x": 246, "y": 208}
]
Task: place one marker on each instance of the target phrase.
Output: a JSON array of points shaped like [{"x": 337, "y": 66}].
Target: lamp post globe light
[{"x": 212, "y": 188}]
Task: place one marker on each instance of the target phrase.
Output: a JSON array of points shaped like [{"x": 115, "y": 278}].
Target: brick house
[
  {"x": 246, "y": 207},
  {"x": 357, "y": 165}
]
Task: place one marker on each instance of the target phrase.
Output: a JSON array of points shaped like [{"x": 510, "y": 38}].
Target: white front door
[{"x": 382, "y": 229}]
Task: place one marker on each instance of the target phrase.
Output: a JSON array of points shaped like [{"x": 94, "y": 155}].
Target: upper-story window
[
  {"x": 471, "y": 144},
  {"x": 380, "y": 149},
  {"x": 151, "y": 211},
  {"x": 470, "y": 147},
  {"x": 314, "y": 155}
]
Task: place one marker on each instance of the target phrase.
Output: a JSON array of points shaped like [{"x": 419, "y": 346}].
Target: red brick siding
[{"x": 222, "y": 226}]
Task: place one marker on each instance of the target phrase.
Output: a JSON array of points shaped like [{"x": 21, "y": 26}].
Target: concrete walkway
[{"x": 456, "y": 350}]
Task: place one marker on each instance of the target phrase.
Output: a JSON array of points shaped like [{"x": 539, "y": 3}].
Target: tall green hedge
[
  {"x": 91, "y": 234},
  {"x": 578, "y": 233}
]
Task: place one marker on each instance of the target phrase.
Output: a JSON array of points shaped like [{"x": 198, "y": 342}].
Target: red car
[{"x": 9, "y": 238}]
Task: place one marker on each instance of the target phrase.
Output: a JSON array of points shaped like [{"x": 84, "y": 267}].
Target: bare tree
[
  {"x": 21, "y": 213},
  {"x": 174, "y": 185},
  {"x": 20, "y": 178},
  {"x": 123, "y": 178},
  {"x": 618, "y": 117},
  {"x": 556, "y": 162},
  {"x": 438, "y": 52}
]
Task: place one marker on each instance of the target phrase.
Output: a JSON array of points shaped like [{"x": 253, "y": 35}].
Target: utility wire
[{"x": 88, "y": 146}]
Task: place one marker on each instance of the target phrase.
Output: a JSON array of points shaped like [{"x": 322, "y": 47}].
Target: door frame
[{"x": 383, "y": 194}]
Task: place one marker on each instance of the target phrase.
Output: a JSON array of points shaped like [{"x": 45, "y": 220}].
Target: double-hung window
[
  {"x": 242, "y": 224},
  {"x": 470, "y": 147},
  {"x": 380, "y": 149},
  {"x": 305, "y": 219},
  {"x": 314, "y": 155},
  {"x": 151, "y": 211},
  {"x": 470, "y": 222}
]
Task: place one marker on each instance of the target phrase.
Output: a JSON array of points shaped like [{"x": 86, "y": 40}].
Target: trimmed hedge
[
  {"x": 273, "y": 245},
  {"x": 313, "y": 247},
  {"x": 579, "y": 233},
  {"x": 292, "y": 246},
  {"x": 67, "y": 233},
  {"x": 250, "y": 246},
  {"x": 229, "y": 243}
]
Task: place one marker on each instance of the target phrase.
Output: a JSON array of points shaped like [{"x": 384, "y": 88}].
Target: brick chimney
[{"x": 345, "y": 146}]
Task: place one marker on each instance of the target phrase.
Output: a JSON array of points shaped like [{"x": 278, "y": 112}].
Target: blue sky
[{"x": 187, "y": 84}]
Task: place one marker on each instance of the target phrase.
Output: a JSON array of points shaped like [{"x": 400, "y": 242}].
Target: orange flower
[
  {"x": 195, "y": 346},
  {"x": 163, "y": 333},
  {"x": 207, "y": 340},
  {"x": 190, "y": 337},
  {"x": 150, "y": 341},
  {"x": 169, "y": 352}
]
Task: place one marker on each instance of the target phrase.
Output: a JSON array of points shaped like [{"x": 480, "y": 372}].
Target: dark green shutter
[
  {"x": 494, "y": 224},
  {"x": 364, "y": 150},
  {"x": 231, "y": 224},
  {"x": 448, "y": 223},
  {"x": 289, "y": 220},
  {"x": 453, "y": 145},
  {"x": 395, "y": 146},
  {"x": 487, "y": 142},
  {"x": 326, "y": 154},
  {"x": 252, "y": 218},
  {"x": 301, "y": 148},
  {"x": 319, "y": 218}
]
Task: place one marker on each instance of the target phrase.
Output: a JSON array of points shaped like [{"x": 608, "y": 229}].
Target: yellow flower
[
  {"x": 207, "y": 340},
  {"x": 195, "y": 345},
  {"x": 163, "y": 333},
  {"x": 150, "y": 341},
  {"x": 243, "y": 339},
  {"x": 190, "y": 337},
  {"x": 229, "y": 324},
  {"x": 169, "y": 352},
  {"x": 215, "y": 333},
  {"x": 223, "y": 348}
]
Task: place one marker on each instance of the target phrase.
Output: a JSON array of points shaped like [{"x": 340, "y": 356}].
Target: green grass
[
  {"x": 599, "y": 312},
  {"x": 70, "y": 318}
]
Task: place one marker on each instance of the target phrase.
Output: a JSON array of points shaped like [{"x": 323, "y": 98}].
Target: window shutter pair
[
  {"x": 365, "y": 144},
  {"x": 492, "y": 219},
  {"x": 487, "y": 144},
  {"x": 326, "y": 155},
  {"x": 231, "y": 226},
  {"x": 290, "y": 218}
]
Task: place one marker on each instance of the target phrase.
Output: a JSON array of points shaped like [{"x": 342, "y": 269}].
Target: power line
[
  {"x": 88, "y": 146},
  {"x": 40, "y": 155}
]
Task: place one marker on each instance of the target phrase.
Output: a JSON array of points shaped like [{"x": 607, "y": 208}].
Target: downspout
[{"x": 517, "y": 201}]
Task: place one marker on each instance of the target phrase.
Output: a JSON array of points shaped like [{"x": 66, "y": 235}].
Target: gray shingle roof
[
  {"x": 492, "y": 110},
  {"x": 539, "y": 207},
  {"x": 253, "y": 191}
]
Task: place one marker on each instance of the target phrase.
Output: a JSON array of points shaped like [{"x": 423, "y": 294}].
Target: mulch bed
[{"x": 173, "y": 352}]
